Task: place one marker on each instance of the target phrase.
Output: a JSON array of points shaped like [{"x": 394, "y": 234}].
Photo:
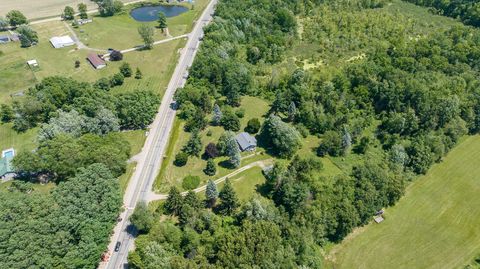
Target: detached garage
[
  {"x": 61, "y": 41},
  {"x": 96, "y": 61}
]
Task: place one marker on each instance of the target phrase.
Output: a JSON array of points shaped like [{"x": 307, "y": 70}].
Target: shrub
[
  {"x": 181, "y": 159},
  {"x": 77, "y": 64},
  {"x": 126, "y": 70},
  {"x": 331, "y": 144},
  {"x": 138, "y": 74},
  {"x": 230, "y": 120},
  {"x": 211, "y": 151},
  {"x": 117, "y": 79},
  {"x": 302, "y": 130},
  {"x": 253, "y": 126},
  {"x": 102, "y": 84},
  {"x": 116, "y": 55},
  {"x": 240, "y": 112},
  {"x": 211, "y": 168},
  {"x": 190, "y": 182}
]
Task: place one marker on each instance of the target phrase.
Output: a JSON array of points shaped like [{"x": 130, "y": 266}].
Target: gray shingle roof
[{"x": 245, "y": 141}]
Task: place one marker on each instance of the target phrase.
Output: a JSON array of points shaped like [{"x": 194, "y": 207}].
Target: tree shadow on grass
[{"x": 226, "y": 164}]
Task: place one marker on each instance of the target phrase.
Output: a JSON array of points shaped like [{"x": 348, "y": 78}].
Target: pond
[{"x": 150, "y": 13}]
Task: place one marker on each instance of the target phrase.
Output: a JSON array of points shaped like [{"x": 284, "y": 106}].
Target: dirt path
[{"x": 152, "y": 196}]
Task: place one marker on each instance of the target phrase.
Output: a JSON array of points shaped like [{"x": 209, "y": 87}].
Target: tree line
[
  {"x": 81, "y": 152},
  {"x": 467, "y": 11}
]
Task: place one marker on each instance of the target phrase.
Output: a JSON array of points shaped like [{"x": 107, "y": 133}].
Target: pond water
[{"x": 150, "y": 13}]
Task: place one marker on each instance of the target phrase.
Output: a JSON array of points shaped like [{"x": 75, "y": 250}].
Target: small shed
[
  {"x": 246, "y": 142},
  {"x": 96, "y": 61},
  {"x": 32, "y": 63},
  {"x": 378, "y": 219},
  {"x": 83, "y": 21},
  {"x": 61, "y": 41}
]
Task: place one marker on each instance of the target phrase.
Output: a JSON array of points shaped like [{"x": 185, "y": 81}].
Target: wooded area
[
  {"x": 389, "y": 99},
  {"x": 81, "y": 150}
]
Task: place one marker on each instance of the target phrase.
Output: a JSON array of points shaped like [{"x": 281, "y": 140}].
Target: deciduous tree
[
  {"x": 146, "y": 33},
  {"x": 16, "y": 18},
  {"x": 68, "y": 13}
]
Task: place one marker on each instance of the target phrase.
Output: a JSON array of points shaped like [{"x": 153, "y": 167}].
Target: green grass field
[
  {"x": 173, "y": 175},
  {"x": 121, "y": 31},
  {"x": 19, "y": 141},
  {"x": 435, "y": 225},
  {"x": 246, "y": 183}
]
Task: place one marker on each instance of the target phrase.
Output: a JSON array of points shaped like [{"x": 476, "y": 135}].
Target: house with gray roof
[{"x": 246, "y": 142}]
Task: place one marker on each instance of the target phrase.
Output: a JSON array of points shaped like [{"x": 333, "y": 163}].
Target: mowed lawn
[
  {"x": 121, "y": 31},
  {"x": 172, "y": 175},
  {"x": 435, "y": 225}
]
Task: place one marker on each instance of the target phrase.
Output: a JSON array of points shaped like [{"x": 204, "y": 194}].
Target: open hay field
[
  {"x": 435, "y": 225},
  {"x": 44, "y": 8}
]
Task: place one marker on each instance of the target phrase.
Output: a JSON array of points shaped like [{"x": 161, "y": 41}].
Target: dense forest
[
  {"x": 389, "y": 97},
  {"x": 466, "y": 10},
  {"x": 81, "y": 153}
]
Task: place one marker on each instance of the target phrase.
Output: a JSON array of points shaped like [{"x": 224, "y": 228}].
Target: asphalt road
[{"x": 152, "y": 153}]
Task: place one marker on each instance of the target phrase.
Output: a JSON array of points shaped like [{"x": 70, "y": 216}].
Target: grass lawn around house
[
  {"x": 9, "y": 138},
  {"x": 435, "y": 225},
  {"x": 157, "y": 66},
  {"x": 246, "y": 183},
  {"x": 121, "y": 31},
  {"x": 172, "y": 175}
]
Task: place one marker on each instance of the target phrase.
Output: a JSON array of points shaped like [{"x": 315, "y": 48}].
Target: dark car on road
[{"x": 117, "y": 246}]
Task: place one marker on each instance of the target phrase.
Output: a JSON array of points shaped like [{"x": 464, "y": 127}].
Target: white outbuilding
[
  {"x": 32, "y": 63},
  {"x": 61, "y": 41}
]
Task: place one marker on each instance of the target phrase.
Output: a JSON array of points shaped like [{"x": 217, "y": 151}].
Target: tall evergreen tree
[
  {"x": 191, "y": 199},
  {"x": 162, "y": 21},
  {"x": 217, "y": 115},
  {"x": 194, "y": 144},
  {"x": 228, "y": 198},
  {"x": 174, "y": 202},
  {"x": 232, "y": 151},
  {"x": 292, "y": 111},
  {"x": 346, "y": 140},
  {"x": 211, "y": 168},
  {"x": 211, "y": 193}
]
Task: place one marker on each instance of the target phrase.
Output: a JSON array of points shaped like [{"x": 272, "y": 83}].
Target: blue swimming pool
[
  {"x": 8, "y": 153},
  {"x": 150, "y": 13}
]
